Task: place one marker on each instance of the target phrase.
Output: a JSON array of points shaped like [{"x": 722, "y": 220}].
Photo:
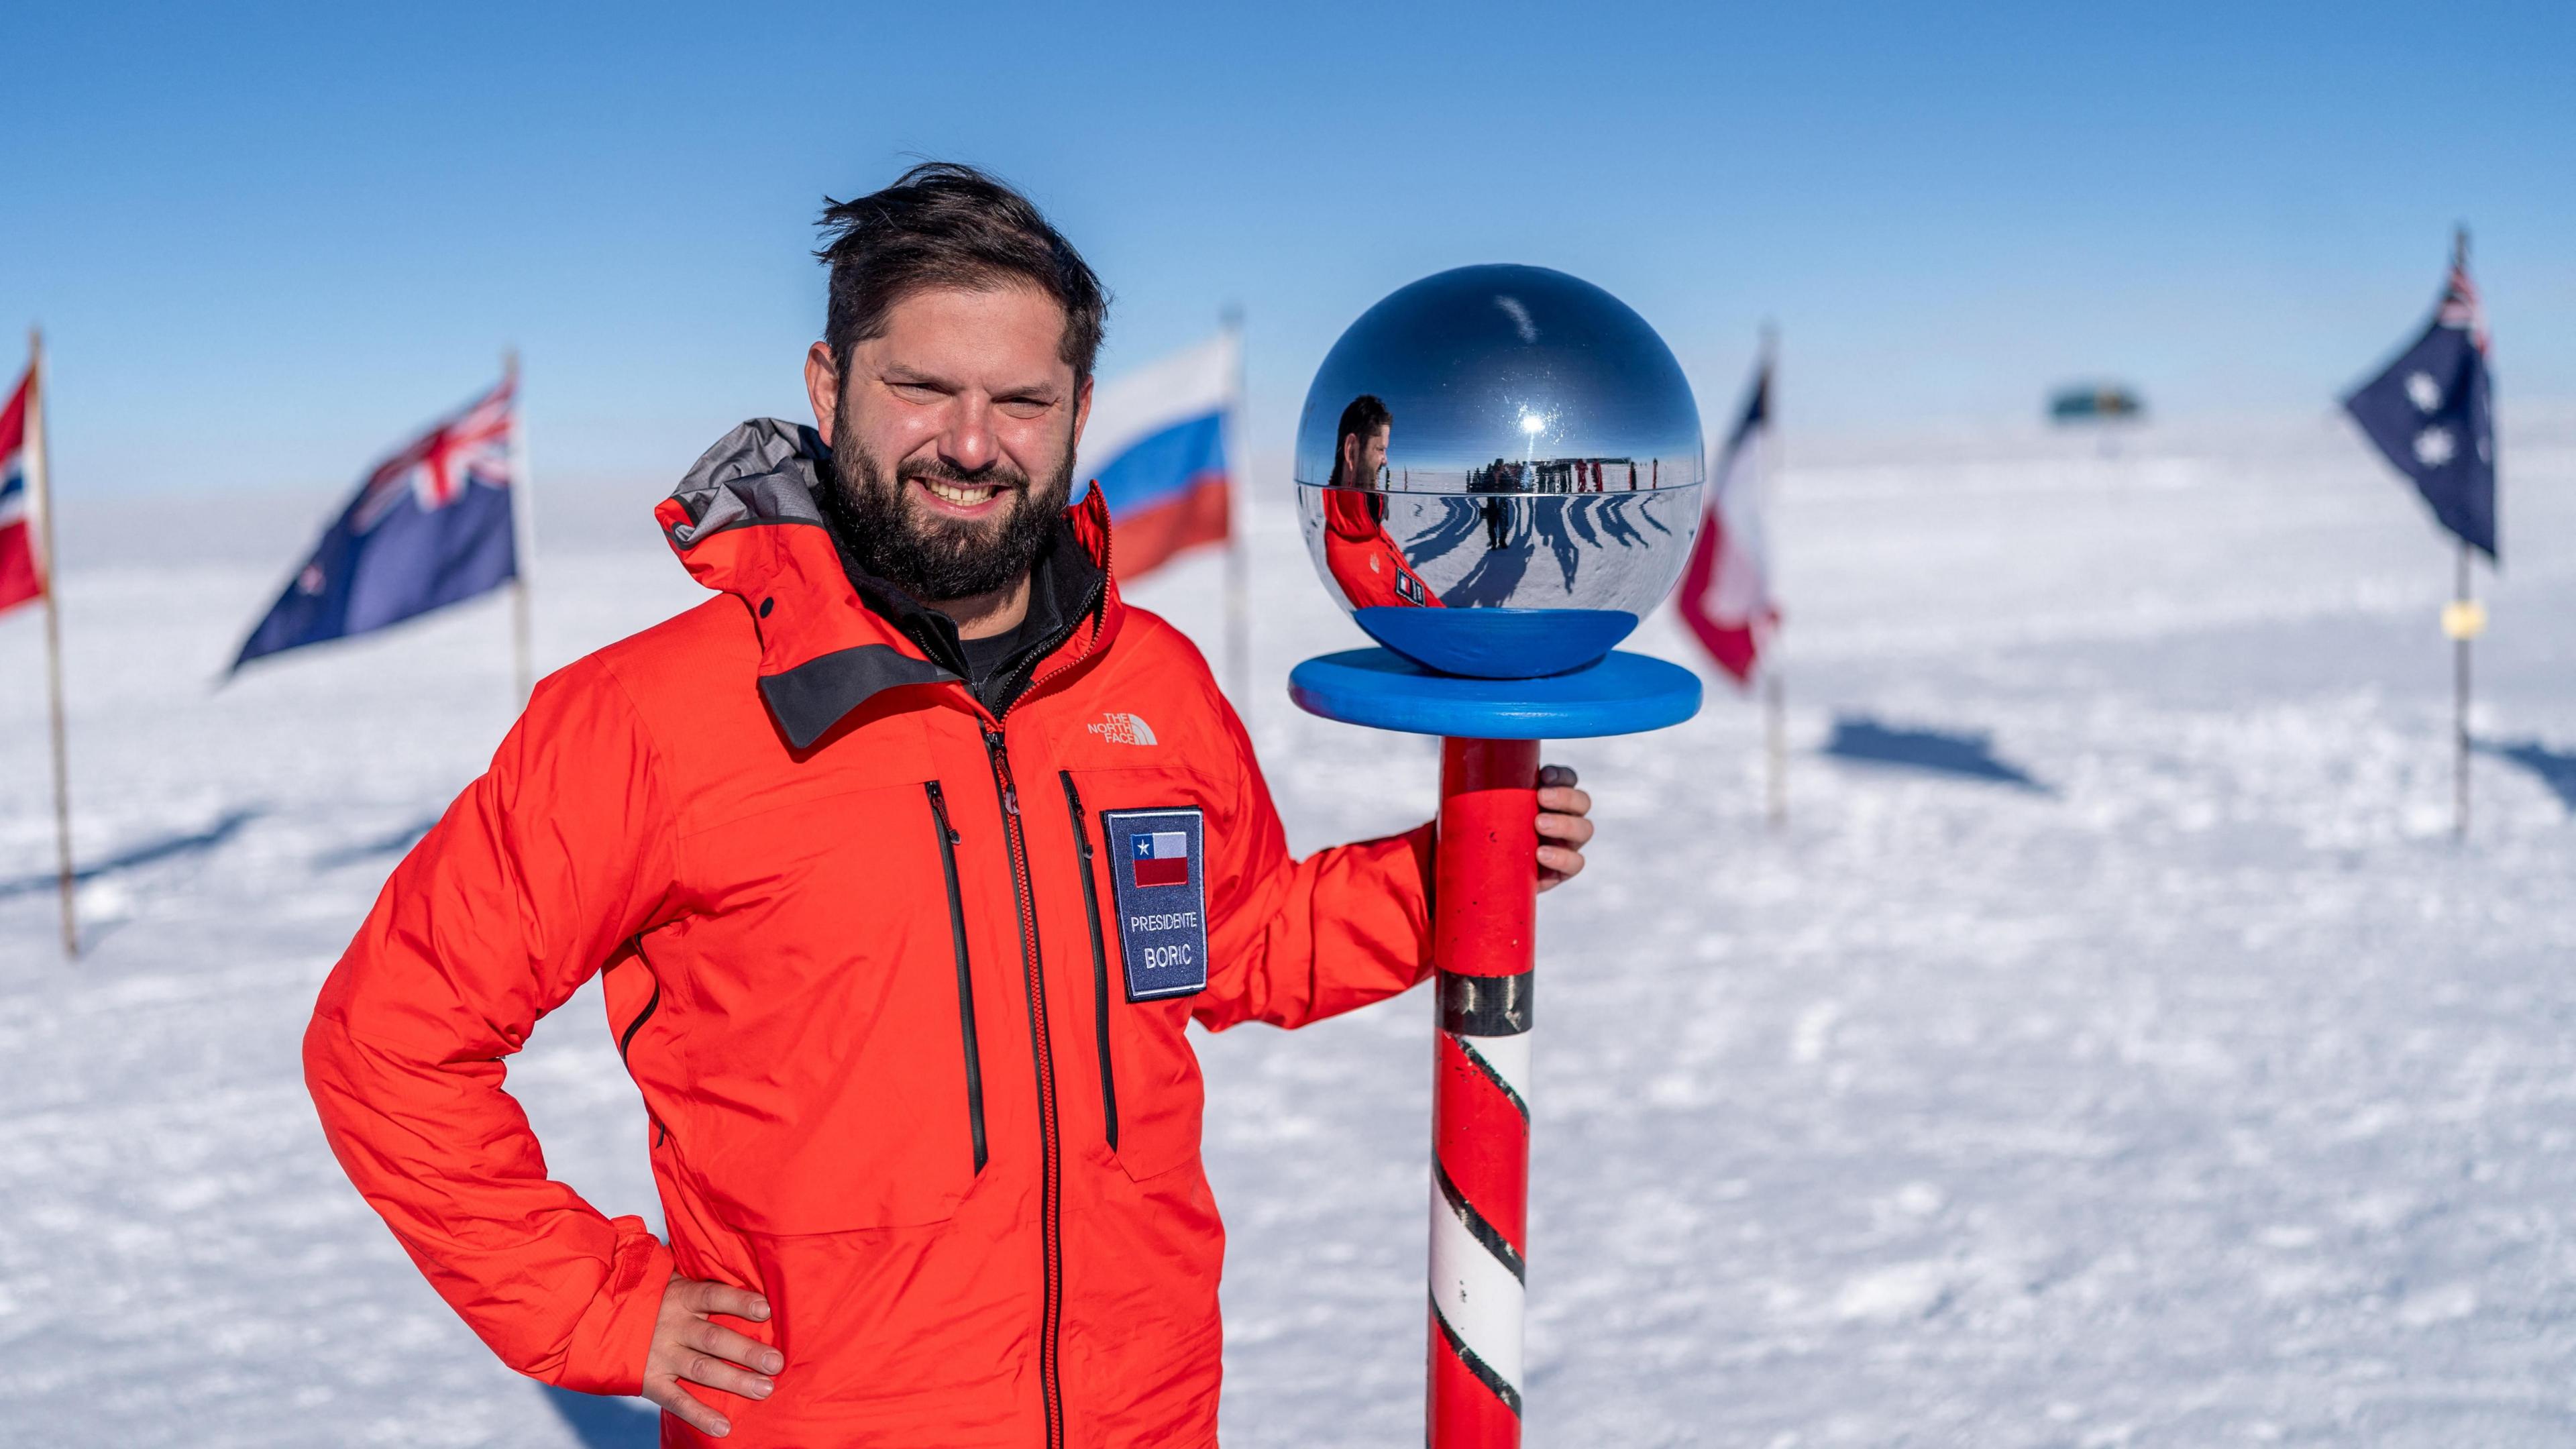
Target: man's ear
[
  {"x": 1081, "y": 411},
  {"x": 823, "y": 387}
]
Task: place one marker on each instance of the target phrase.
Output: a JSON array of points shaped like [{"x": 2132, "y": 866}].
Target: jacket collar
[{"x": 745, "y": 521}]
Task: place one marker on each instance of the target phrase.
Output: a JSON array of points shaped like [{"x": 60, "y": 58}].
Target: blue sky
[{"x": 267, "y": 243}]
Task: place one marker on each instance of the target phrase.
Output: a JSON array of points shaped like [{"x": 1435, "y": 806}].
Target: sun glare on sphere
[{"x": 1533, "y": 423}]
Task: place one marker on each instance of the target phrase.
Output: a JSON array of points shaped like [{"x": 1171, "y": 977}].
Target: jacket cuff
[
  {"x": 609, "y": 1345},
  {"x": 1423, "y": 842}
]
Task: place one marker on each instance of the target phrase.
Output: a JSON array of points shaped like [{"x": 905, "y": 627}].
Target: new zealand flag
[
  {"x": 430, "y": 527},
  {"x": 2431, "y": 413}
]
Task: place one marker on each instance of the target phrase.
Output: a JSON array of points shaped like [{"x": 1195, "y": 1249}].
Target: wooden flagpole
[
  {"x": 40, "y": 486},
  {"x": 1238, "y": 527},
  {"x": 523, "y": 515}
]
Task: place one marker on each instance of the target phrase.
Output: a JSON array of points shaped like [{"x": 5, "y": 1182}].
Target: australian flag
[
  {"x": 430, "y": 527},
  {"x": 2432, "y": 414}
]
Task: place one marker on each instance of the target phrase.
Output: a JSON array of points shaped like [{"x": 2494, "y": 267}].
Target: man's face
[
  {"x": 953, "y": 437},
  {"x": 1363, "y": 458}
]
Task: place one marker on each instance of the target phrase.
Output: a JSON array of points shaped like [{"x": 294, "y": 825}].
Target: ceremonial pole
[
  {"x": 40, "y": 484},
  {"x": 1492, "y": 672},
  {"x": 523, "y": 514},
  {"x": 1484, "y": 930}
]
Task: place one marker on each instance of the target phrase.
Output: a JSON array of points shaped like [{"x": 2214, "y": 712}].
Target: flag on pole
[
  {"x": 430, "y": 527},
  {"x": 2432, "y": 414},
  {"x": 22, "y": 573},
  {"x": 1157, "y": 445},
  {"x": 1725, "y": 595}
]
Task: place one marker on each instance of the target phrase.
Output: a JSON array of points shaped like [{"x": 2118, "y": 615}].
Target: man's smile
[{"x": 962, "y": 499}]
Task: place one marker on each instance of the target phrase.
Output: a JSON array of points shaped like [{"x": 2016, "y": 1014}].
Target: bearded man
[{"x": 906, "y": 859}]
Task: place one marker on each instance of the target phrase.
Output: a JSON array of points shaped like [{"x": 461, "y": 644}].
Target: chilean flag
[
  {"x": 1725, "y": 595},
  {"x": 431, "y": 526},
  {"x": 1156, "y": 444},
  {"x": 22, "y": 574},
  {"x": 1162, "y": 858}
]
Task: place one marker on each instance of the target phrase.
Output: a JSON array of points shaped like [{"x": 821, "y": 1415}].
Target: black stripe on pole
[
  {"x": 1487, "y": 1236},
  {"x": 1468, "y": 1050},
  {"x": 1485, "y": 1005},
  {"x": 1483, "y": 1371}
]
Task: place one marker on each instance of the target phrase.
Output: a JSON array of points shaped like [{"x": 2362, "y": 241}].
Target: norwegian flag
[
  {"x": 22, "y": 574},
  {"x": 431, "y": 526},
  {"x": 1725, "y": 595}
]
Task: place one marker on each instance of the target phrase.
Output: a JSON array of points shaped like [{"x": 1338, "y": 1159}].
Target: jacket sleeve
[
  {"x": 1294, "y": 941},
  {"x": 561, "y": 851}
]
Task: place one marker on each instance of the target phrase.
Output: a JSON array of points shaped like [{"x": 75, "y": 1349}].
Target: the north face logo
[{"x": 1123, "y": 729}]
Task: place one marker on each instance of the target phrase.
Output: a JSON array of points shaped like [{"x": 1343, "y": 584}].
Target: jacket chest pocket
[
  {"x": 834, "y": 1049},
  {"x": 1150, "y": 1089}
]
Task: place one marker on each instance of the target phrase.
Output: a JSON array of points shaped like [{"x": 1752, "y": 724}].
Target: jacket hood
[{"x": 745, "y": 521}]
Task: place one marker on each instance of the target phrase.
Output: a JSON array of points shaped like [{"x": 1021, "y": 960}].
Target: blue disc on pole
[{"x": 1623, "y": 694}]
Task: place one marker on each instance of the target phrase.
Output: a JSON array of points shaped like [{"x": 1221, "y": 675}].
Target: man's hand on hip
[
  {"x": 1563, "y": 829},
  {"x": 689, "y": 1347}
]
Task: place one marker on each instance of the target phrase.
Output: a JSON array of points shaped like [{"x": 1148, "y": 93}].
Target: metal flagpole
[
  {"x": 1775, "y": 708},
  {"x": 1238, "y": 526},
  {"x": 2462, "y": 621},
  {"x": 1775, "y": 701},
  {"x": 523, "y": 512},
  {"x": 40, "y": 484}
]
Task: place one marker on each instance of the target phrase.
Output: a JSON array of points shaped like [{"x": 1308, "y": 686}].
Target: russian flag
[
  {"x": 1156, "y": 444},
  {"x": 22, "y": 574}
]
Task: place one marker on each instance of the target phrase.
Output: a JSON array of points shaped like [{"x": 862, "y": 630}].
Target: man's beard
[{"x": 932, "y": 557}]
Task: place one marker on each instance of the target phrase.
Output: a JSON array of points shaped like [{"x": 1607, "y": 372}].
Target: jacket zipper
[
  {"x": 1051, "y": 1205},
  {"x": 1099, "y": 956},
  {"x": 965, "y": 978},
  {"x": 626, "y": 1038}
]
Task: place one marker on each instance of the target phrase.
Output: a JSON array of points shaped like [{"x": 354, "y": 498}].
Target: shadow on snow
[
  {"x": 151, "y": 853},
  {"x": 392, "y": 843},
  {"x": 1970, "y": 756},
  {"x": 606, "y": 1423},
  {"x": 2555, "y": 768}
]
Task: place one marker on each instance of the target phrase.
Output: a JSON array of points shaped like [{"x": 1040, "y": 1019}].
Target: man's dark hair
[
  {"x": 945, "y": 225},
  {"x": 1362, "y": 418}
]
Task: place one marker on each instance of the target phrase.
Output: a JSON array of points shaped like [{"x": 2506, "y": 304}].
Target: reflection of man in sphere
[
  {"x": 1363, "y": 560},
  {"x": 1496, "y": 513},
  {"x": 1359, "y": 446}
]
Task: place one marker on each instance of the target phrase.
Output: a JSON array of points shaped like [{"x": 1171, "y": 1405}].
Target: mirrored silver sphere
[{"x": 1498, "y": 471}]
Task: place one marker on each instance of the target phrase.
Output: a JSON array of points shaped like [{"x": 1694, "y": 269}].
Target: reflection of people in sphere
[{"x": 1363, "y": 560}]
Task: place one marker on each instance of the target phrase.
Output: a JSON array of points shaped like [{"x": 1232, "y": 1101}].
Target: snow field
[{"x": 2207, "y": 1093}]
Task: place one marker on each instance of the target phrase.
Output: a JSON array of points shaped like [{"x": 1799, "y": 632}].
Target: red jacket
[
  {"x": 1367, "y": 564},
  {"x": 863, "y": 960}
]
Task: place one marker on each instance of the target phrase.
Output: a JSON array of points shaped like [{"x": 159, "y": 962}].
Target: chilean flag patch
[
  {"x": 1158, "y": 882},
  {"x": 1162, "y": 858}
]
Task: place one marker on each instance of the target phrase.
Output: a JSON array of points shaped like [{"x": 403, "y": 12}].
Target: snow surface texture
[{"x": 2115, "y": 1048}]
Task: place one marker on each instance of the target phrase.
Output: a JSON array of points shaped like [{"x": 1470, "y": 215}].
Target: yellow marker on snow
[{"x": 2464, "y": 619}]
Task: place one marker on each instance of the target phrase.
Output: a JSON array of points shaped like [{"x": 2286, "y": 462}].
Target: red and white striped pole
[{"x": 1485, "y": 908}]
